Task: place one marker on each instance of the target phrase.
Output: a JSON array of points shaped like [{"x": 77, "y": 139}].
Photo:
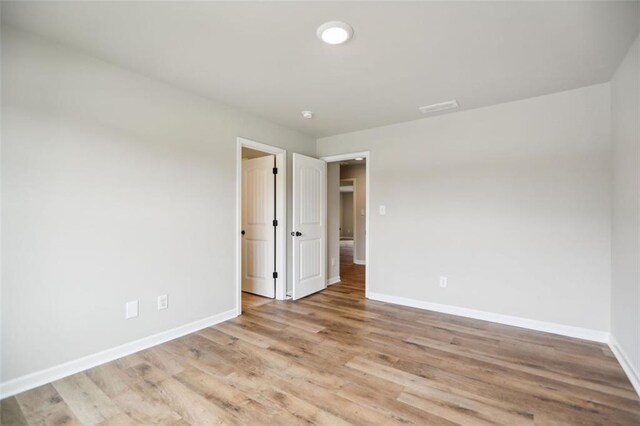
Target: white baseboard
[
  {"x": 39, "y": 378},
  {"x": 359, "y": 262},
  {"x": 548, "y": 327},
  {"x": 627, "y": 366},
  {"x": 333, "y": 280}
]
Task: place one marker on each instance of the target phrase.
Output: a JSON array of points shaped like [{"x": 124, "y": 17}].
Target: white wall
[
  {"x": 625, "y": 132},
  {"x": 359, "y": 173},
  {"x": 333, "y": 221},
  {"x": 114, "y": 187},
  {"x": 510, "y": 202}
]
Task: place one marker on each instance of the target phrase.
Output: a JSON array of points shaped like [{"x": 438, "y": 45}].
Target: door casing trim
[
  {"x": 281, "y": 213},
  {"x": 352, "y": 156}
]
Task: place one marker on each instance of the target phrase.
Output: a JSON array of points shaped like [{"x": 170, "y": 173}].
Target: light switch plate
[
  {"x": 383, "y": 210},
  {"x": 443, "y": 282},
  {"x": 163, "y": 302},
  {"x": 131, "y": 310}
]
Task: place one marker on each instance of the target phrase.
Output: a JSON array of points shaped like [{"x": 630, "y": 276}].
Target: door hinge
[
  {"x": 275, "y": 275},
  {"x": 275, "y": 170},
  {"x": 275, "y": 222}
]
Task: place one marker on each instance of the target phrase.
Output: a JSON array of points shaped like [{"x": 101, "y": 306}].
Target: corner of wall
[{"x": 625, "y": 363}]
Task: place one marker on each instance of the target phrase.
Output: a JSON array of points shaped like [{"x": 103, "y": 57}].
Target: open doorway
[
  {"x": 261, "y": 207},
  {"x": 347, "y": 221}
]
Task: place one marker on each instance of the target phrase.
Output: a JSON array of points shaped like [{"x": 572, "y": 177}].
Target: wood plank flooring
[{"x": 335, "y": 358}]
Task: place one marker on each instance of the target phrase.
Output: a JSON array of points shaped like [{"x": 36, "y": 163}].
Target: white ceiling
[{"x": 265, "y": 58}]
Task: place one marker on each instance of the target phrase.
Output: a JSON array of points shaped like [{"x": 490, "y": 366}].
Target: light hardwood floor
[{"x": 335, "y": 358}]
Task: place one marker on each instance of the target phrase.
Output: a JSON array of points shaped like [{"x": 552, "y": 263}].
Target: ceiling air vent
[{"x": 439, "y": 107}]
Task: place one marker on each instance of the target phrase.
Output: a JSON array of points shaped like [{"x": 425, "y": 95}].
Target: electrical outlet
[
  {"x": 131, "y": 309},
  {"x": 163, "y": 302},
  {"x": 443, "y": 282}
]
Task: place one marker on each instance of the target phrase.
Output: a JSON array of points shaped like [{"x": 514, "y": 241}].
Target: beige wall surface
[
  {"x": 510, "y": 202},
  {"x": 115, "y": 187},
  {"x": 625, "y": 132},
  {"x": 333, "y": 220},
  {"x": 358, "y": 172},
  {"x": 346, "y": 215}
]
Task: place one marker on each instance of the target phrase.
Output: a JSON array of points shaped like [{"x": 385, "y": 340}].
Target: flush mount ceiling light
[
  {"x": 307, "y": 114},
  {"x": 335, "y": 32},
  {"x": 439, "y": 107},
  {"x": 359, "y": 159}
]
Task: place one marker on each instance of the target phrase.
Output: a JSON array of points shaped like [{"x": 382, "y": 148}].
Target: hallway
[{"x": 350, "y": 273}]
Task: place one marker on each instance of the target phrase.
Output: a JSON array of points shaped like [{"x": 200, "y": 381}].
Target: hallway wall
[
  {"x": 346, "y": 215},
  {"x": 358, "y": 171},
  {"x": 333, "y": 221}
]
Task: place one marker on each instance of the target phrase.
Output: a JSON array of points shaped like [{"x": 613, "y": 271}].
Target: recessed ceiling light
[
  {"x": 335, "y": 32},
  {"x": 307, "y": 114},
  {"x": 359, "y": 159}
]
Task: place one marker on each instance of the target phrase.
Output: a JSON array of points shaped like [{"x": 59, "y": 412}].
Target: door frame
[
  {"x": 281, "y": 212},
  {"x": 367, "y": 210}
]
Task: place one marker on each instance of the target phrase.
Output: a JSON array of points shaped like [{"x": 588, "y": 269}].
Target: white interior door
[
  {"x": 258, "y": 213},
  {"x": 309, "y": 225}
]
